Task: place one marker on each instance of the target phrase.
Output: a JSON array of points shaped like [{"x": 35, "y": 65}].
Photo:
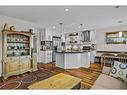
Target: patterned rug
[
  {"x": 24, "y": 80},
  {"x": 41, "y": 75},
  {"x": 29, "y": 79},
  {"x": 10, "y": 85}
]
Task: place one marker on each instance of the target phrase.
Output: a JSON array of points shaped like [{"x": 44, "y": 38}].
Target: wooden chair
[
  {"x": 107, "y": 57},
  {"x": 122, "y": 58}
]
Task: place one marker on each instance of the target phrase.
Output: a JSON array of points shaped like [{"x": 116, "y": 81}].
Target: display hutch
[{"x": 17, "y": 58}]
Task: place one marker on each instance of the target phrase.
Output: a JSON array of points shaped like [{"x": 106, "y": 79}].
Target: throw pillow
[{"x": 119, "y": 71}]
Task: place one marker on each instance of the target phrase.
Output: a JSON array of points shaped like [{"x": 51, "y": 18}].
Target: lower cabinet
[
  {"x": 46, "y": 56},
  {"x": 25, "y": 64},
  {"x": 12, "y": 65},
  {"x": 16, "y": 65}
]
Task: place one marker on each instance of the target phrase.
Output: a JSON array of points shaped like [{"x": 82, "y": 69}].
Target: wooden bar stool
[
  {"x": 107, "y": 58},
  {"x": 122, "y": 58}
]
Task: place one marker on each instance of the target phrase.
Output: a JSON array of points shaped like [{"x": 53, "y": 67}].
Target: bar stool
[
  {"x": 122, "y": 58},
  {"x": 107, "y": 57}
]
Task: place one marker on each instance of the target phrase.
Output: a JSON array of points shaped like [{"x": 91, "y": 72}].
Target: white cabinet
[
  {"x": 92, "y": 56},
  {"x": 86, "y": 36},
  {"x": 45, "y": 35},
  {"x": 63, "y": 38},
  {"x": 42, "y": 35},
  {"x": 72, "y": 60},
  {"x": 38, "y": 47},
  {"x": 48, "y": 37},
  {"x": 46, "y": 56}
]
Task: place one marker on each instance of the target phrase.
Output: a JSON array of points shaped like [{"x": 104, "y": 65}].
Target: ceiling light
[
  {"x": 117, "y": 6},
  {"x": 66, "y": 9},
  {"x": 54, "y": 27},
  {"x": 120, "y": 21},
  {"x": 61, "y": 23}
]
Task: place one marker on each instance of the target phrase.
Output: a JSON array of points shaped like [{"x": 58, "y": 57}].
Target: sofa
[{"x": 106, "y": 81}]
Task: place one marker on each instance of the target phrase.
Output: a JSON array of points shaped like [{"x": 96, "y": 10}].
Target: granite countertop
[{"x": 102, "y": 51}]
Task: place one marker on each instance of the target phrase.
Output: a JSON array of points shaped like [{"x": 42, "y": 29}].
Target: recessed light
[
  {"x": 54, "y": 27},
  {"x": 61, "y": 23},
  {"x": 117, "y": 6},
  {"x": 66, "y": 10},
  {"x": 79, "y": 26},
  {"x": 120, "y": 22}
]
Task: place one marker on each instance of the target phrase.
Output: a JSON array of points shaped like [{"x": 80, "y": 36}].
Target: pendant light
[
  {"x": 61, "y": 24},
  {"x": 62, "y": 37},
  {"x": 80, "y": 26}
]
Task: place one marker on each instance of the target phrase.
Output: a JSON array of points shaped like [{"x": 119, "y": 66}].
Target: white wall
[
  {"x": 19, "y": 25},
  {"x": 100, "y": 39}
]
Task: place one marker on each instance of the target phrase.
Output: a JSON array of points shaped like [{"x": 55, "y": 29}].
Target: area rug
[
  {"x": 10, "y": 85},
  {"x": 24, "y": 80},
  {"x": 41, "y": 75},
  {"x": 29, "y": 79}
]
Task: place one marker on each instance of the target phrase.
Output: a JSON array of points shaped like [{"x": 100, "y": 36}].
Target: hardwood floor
[{"x": 88, "y": 76}]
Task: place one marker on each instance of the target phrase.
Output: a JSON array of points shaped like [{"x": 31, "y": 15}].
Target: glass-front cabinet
[
  {"x": 119, "y": 37},
  {"x": 18, "y": 45}
]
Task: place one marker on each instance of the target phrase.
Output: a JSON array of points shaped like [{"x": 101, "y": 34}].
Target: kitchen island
[{"x": 72, "y": 59}]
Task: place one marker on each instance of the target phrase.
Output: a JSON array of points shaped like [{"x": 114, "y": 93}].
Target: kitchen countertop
[
  {"x": 102, "y": 51},
  {"x": 72, "y": 51}
]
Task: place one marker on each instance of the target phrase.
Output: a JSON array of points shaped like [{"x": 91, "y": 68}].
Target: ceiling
[{"x": 92, "y": 17}]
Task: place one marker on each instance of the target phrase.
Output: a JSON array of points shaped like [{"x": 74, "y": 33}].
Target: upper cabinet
[
  {"x": 17, "y": 43},
  {"x": 119, "y": 37},
  {"x": 85, "y": 36},
  {"x": 45, "y": 35},
  {"x": 73, "y": 38}
]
